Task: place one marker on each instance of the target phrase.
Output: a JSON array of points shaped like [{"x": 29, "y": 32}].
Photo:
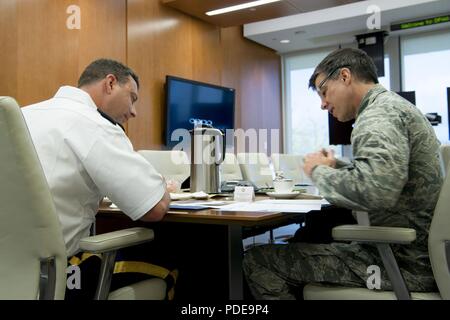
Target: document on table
[
  {"x": 197, "y": 205},
  {"x": 257, "y": 206},
  {"x": 296, "y": 201},
  {"x": 276, "y": 206}
]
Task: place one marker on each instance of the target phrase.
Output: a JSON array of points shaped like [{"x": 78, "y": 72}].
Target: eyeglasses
[{"x": 322, "y": 83}]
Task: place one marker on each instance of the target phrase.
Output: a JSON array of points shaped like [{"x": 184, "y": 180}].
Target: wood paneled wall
[
  {"x": 163, "y": 41},
  {"x": 38, "y": 54},
  {"x": 42, "y": 54},
  {"x": 255, "y": 72},
  {"x": 8, "y": 48}
]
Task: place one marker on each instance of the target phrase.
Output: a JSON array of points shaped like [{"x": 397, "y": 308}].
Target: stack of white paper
[
  {"x": 275, "y": 206},
  {"x": 257, "y": 206}
]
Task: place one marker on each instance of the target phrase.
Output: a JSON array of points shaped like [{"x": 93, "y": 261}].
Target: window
[
  {"x": 306, "y": 125},
  {"x": 426, "y": 70}
]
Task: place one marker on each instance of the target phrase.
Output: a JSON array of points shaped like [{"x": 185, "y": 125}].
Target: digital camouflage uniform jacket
[{"x": 395, "y": 176}]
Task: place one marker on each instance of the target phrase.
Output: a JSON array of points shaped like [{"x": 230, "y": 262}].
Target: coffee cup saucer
[{"x": 283, "y": 195}]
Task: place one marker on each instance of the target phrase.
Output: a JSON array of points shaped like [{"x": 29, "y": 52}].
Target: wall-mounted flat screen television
[{"x": 188, "y": 102}]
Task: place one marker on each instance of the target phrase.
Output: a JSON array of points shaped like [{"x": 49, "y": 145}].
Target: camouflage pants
[
  {"x": 279, "y": 271},
  {"x": 273, "y": 271}
]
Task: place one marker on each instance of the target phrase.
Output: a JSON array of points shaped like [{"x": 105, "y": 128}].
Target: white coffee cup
[{"x": 283, "y": 185}]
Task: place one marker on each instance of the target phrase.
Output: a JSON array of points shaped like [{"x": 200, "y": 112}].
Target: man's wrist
[
  {"x": 312, "y": 170},
  {"x": 332, "y": 163}
]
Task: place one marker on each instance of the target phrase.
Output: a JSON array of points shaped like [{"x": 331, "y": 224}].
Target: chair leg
[
  {"x": 447, "y": 253},
  {"x": 47, "y": 279},
  {"x": 106, "y": 272},
  {"x": 393, "y": 271}
]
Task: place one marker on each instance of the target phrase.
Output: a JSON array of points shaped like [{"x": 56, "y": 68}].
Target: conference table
[{"x": 208, "y": 242}]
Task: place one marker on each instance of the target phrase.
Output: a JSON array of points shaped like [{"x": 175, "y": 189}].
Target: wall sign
[{"x": 420, "y": 23}]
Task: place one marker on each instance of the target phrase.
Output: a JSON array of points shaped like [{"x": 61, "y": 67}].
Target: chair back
[
  {"x": 255, "y": 168},
  {"x": 444, "y": 157},
  {"x": 229, "y": 168},
  {"x": 439, "y": 241},
  {"x": 292, "y": 167},
  {"x": 172, "y": 164},
  {"x": 31, "y": 239}
]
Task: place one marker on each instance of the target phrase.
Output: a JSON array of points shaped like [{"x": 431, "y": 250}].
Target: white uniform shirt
[{"x": 85, "y": 157}]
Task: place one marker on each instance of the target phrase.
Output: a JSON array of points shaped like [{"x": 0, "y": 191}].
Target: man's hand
[
  {"x": 173, "y": 186},
  {"x": 323, "y": 157}
]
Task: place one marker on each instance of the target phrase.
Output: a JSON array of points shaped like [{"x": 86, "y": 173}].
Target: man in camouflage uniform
[{"x": 394, "y": 176}]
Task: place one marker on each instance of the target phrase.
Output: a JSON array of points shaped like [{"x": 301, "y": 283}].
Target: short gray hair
[{"x": 359, "y": 63}]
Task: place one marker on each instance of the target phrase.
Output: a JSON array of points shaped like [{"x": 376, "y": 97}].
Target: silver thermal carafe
[{"x": 207, "y": 153}]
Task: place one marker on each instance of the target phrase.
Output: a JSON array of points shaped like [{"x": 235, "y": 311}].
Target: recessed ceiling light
[
  {"x": 240, "y": 7},
  {"x": 285, "y": 41}
]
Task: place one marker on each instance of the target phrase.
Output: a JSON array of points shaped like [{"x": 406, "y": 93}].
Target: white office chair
[
  {"x": 229, "y": 168},
  {"x": 255, "y": 168},
  {"x": 292, "y": 167},
  {"x": 172, "y": 164},
  {"x": 438, "y": 247},
  {"x": 32, "y": 250},
  {"x": 444, "y": 157}
]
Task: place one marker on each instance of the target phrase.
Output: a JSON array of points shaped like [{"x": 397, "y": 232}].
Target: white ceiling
[{"x": 339, "y": 25}]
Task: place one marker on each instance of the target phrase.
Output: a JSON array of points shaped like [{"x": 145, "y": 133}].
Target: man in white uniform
[{"x": 86, "y": 155}]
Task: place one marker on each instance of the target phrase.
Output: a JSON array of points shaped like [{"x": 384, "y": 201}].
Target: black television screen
[{"x": 189, "y": 101}]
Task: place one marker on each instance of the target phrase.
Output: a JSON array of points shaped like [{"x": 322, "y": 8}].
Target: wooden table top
[{"x": 215, "y": 216}]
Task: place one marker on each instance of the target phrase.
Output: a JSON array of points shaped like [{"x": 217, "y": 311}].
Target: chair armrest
[
  {"x": 116, "y": 240},
  {"x": 374, "y": 234}
]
